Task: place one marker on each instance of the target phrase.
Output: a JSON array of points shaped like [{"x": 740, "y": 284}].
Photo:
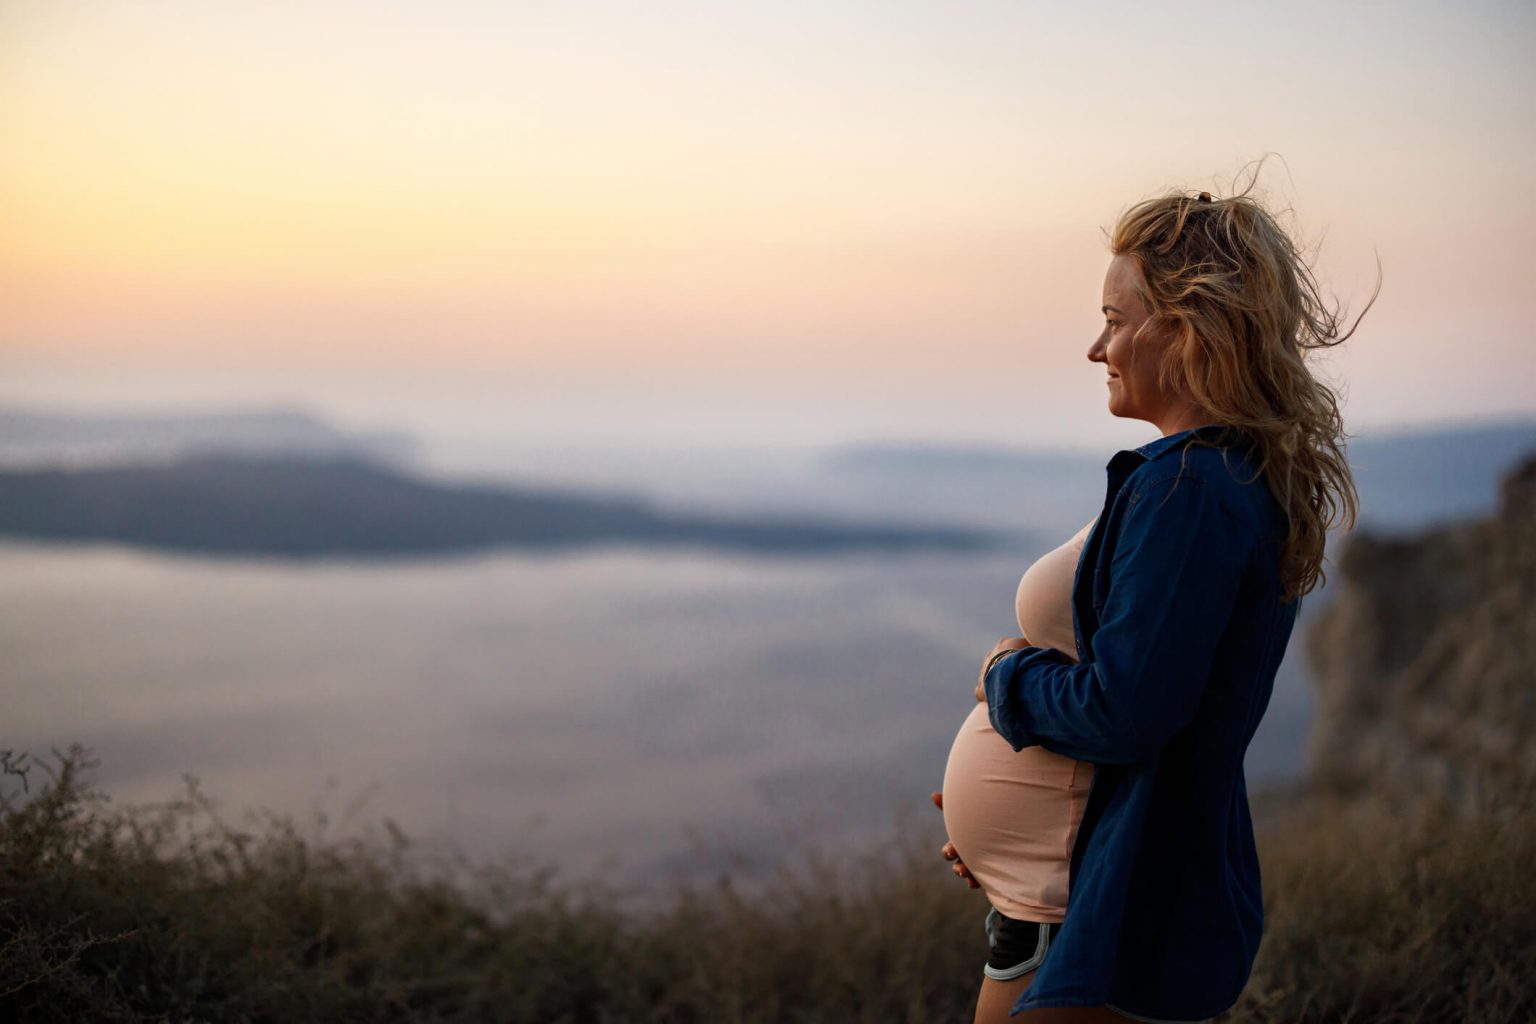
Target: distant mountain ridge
[
  {"x": 32, "y": 438},
  {"x": 1408, "y": 478},
  {"x": 254, "y": 506}
]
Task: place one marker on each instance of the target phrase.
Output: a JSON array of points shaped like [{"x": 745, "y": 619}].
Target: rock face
[{"x": 1425, "y": 662}]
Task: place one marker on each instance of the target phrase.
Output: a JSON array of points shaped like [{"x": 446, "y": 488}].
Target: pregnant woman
[{"x": 1096, "y": 792}]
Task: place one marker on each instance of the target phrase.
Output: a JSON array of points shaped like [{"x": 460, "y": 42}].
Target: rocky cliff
[{"x": 1425, "y": 661}]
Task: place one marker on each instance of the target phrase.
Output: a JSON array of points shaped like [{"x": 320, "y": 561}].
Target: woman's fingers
[
  {"x": 1003, "y": 646},
  {"x": 1009, "y": 643},
  {"x": 958, "y": 867},
  {"x": 949, "y": 851}
]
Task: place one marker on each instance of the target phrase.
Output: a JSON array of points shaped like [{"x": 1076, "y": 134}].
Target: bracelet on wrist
[{"x": 996, "y": 658}]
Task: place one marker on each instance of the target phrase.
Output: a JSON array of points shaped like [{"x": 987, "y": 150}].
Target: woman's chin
[{"x": 1120, "y": 406}]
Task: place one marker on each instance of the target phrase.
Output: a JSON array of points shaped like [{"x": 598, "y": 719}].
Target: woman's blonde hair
[{"x": 1236, "y": 300}]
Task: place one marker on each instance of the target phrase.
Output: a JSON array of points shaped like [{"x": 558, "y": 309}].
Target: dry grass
[
  {"x": 169, "y": 914},
  {"x": 1381, "y": 914}
]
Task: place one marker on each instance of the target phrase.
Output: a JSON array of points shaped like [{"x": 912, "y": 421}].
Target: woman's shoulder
[
  {"x": 1223, "y": 456},
  {"x": 1226, "y": 474}
]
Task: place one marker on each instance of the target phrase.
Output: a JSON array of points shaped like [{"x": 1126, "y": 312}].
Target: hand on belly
[{"x": 1012, "y": 816}]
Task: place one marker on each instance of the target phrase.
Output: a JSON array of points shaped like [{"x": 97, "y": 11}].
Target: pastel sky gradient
[{"x": 671, "y": 222}]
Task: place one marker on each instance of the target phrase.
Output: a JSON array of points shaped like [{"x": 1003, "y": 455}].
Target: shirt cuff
[{"x": 999, "y": 700}]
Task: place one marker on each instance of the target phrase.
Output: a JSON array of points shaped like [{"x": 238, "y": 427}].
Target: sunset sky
[{"x": 671, "y": 222}]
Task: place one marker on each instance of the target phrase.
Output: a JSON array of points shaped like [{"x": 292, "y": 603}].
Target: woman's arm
[{"x": 1177, "y": 567}]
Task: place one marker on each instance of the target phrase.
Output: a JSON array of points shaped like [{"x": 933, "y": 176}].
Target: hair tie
[{"x": 1205, "y": 197}]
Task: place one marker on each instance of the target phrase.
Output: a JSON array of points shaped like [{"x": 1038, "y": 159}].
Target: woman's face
[{"x": 1131, "y": 365}]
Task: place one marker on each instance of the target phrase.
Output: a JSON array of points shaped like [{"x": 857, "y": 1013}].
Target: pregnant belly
[{"x": 1012, "y": 816}]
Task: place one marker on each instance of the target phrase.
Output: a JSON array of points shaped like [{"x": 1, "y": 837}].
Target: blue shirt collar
[{"x": 1152, "y": 449}]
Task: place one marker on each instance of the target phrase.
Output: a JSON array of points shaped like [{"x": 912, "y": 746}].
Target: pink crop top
[{"x": 1013, "y": 815}]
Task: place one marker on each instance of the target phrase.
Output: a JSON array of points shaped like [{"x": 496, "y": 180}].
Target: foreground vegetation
[{"x": 167, "y": 913}]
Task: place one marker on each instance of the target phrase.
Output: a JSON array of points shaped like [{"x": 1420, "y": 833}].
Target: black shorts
[{"x": 1018, "y": 947}]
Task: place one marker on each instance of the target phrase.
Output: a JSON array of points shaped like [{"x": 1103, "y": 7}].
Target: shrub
[{"x": 169, "y": 913}]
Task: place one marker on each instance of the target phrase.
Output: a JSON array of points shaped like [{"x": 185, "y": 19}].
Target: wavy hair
[{"x": 1237, "y": 301}]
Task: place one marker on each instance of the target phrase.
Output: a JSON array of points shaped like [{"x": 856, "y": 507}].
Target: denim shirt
[{"x": 1180, "y": 629}]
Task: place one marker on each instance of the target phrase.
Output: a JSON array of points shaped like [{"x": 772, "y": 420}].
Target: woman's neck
[{"x": 1180, "y": 418}]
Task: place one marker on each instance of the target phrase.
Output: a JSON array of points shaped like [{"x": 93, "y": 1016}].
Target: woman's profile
[{"x": 1096, "y": 792}]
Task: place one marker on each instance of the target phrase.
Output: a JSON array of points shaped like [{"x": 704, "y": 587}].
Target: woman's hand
[
  {"x": 1003, "y": 646},
  {"x": 951, "y": 854}
]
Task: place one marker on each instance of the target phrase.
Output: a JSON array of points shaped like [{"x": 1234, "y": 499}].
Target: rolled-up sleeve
[{"x": 1175, "y": 576}]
